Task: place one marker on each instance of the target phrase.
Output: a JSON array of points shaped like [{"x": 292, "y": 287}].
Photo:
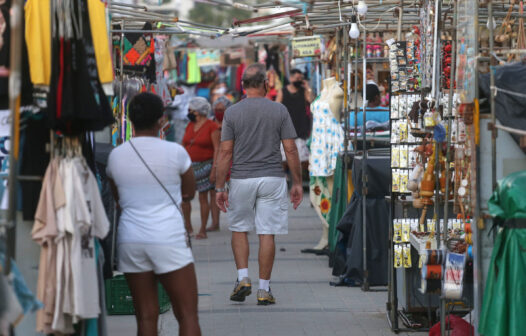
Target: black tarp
[
  {"x": 510, "y": 109},
  {"x": 348, "y": 259}
]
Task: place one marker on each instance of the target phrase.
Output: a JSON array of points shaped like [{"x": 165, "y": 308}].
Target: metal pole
[
  {"x": 493, "y": 92},
  {"x": 400, "y": 16},
  {"x": 15, "y": 79},
  {"x": 121, "y": 68},
  {"x": 450, "y": 113},
  {"x": 356, "y": 56},
  {"x": 477, "y": 233},
  {"x": 365, "y": 286},
  {"x": 345, "y": 87},
  {"x": 346, "y": 108},
  {"x": 436, "y": 95}
]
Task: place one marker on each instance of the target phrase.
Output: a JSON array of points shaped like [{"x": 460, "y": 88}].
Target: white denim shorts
[
  {"x": 261, "y": 202},
  {"x": 139, "y": 258}
]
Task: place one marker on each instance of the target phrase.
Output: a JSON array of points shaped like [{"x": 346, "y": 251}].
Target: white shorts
[
  {"x": 303, "y": 150},
  {"x": 261, "y": 202},
  {"x": 139, "y": 258}
]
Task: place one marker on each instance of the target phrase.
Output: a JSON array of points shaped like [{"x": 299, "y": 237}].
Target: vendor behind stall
[{"x": 374, "y": 111}]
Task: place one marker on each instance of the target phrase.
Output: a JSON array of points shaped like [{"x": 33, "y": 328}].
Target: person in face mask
[
  {"x": 296, "y": 97},
  {"x": 219, "y": 107},
  {"x": 218, "y": 90},
  {"x": 201, "y": 141}
]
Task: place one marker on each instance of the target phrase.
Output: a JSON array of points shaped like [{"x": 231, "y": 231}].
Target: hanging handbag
[{"x": 188, "y": 241}]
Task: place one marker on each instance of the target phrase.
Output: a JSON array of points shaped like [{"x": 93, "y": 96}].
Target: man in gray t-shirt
[
  {"x": 257, "y": 126},
  {"x": 253, "y": 130}
]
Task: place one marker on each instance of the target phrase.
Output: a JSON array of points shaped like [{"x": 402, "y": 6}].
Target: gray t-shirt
[{"x": 257, "y": 126}]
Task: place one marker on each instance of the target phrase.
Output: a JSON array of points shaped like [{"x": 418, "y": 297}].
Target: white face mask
[{"x": 220, "y": 91}]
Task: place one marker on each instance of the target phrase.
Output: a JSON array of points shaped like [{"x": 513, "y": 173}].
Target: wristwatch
[{"x": 221, "y": 190}]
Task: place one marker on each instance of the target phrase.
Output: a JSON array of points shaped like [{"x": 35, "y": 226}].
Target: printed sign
[
  {"x": 208, "y": 57},
  {"x": 308, "y": 46}
]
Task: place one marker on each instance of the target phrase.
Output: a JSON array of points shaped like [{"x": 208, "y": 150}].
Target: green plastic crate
[{"x": 119, "y": 300}]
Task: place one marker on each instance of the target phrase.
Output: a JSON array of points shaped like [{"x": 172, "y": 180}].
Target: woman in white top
[{"x": 151, "y": 178}]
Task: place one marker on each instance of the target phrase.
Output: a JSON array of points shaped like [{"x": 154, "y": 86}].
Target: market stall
[
  {"x": 445, "y": 154},
  {"x": 400, "y": 180}
]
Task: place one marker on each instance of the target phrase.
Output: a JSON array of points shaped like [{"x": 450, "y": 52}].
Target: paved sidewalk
[{"x": 306, "y": 304}]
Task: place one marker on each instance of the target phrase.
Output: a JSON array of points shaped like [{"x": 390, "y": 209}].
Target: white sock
[
  {"x": 264, "y": 284},
  {"x": 242, "y": 273}
]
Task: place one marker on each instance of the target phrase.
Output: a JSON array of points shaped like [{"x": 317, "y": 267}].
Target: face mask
[
  {"x": 297, "y": 84},
  {"x": 220, "y": 91},
  {"x": 220, "y": 114},
  {"x": 191, "y": 117}
]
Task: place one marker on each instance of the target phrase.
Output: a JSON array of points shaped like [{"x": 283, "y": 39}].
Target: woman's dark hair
[
  {"x": 296, "y": 71},
  {"x": 371, "y": 92},
  {"x": 145, "y": 110}
]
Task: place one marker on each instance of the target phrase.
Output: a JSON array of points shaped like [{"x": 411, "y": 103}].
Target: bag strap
[
  {"x": 188, "y": 240},
  {"x": 155, "y": 177}
]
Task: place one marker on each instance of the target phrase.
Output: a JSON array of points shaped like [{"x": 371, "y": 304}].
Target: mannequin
[
  {"x": 333, "y": 94},
  {"x": 327, "y": 137}
]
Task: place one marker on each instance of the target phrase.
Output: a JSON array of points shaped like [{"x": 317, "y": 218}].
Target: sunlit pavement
[{"x": 306, "y": 303}]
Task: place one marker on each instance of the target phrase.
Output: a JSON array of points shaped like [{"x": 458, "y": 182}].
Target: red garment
[
  {"x": 199, "y": 143},
  {"x": 455, "y": 326},
  {"x": 239, "y": 76},
  {"x": 272, "y": 94}
]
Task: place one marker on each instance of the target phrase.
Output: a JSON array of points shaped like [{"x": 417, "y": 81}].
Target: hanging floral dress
[{"x": 325, "y": 144}]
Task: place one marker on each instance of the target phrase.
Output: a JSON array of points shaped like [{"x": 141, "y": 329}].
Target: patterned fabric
[
  {"x": 326, "y": 140},
  {"x": 137, "y": 54},
  {"x": 321, "y": 196},
  {"x": 202, "y": 175}
]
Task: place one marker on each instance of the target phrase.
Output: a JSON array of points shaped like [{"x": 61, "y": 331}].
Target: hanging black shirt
[{"x": 297, "y": 107}]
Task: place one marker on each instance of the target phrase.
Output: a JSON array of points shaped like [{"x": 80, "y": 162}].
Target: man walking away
[{"x": 252, "y": 132}]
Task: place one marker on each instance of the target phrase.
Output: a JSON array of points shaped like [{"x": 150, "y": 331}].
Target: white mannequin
[{"x": 333, "y": 95}]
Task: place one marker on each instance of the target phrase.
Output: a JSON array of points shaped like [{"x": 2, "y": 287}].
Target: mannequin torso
[{"x": 332, "y": 94}]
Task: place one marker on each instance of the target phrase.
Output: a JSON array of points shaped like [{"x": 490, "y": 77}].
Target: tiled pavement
[{"x": 306, "y": 305}]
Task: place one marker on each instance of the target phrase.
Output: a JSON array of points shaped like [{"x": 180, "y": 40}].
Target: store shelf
[{"x": 372, "y": 60}]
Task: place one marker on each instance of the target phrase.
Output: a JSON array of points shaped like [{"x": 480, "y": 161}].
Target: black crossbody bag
[{"x": 188, "y": 240}]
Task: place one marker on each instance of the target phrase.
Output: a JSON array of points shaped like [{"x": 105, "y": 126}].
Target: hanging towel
[
  {"x": 38, "y": 40},
  {"x": 101, "y": 43},
  {"x": 194, "y": 72}
]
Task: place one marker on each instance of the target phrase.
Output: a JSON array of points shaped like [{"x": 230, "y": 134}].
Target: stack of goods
[
  {"x": 432, "y": 270},
  {"x": 442, "y": 273},
  {"x": 426, "y": 32},
  {"x": 421, "y": 168},
  {"x": 447, "y": 47},
  {"x": 452, "y": 286},
  {"x": 403, "y": 143},
  {"x": 403, "y": 61},
  {"x": 402, "y": 249}
]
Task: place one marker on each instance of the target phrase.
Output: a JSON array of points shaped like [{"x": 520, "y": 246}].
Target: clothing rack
[{"x": 17, "y": 38}]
